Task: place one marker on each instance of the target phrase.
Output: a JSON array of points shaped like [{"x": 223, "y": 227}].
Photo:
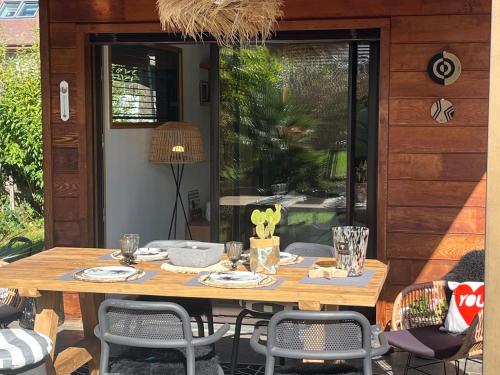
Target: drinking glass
[
  {"x": 234, "y": 250},
  {"x": 129, "y": 243}
]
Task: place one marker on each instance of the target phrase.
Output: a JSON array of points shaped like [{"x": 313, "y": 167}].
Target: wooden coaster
[{"x": 327, "y": 272}]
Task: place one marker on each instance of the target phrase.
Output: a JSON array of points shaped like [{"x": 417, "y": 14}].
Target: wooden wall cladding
[
  {"x": 415, "y": 112},
  {"x": 436, "y": 173},
  {"x": 146, "y": 11},
  {"x": 438, "y": 139},
  {"x": 414, "y": 57},
  {"x": 436, "y": 191},
  {"x": 441, "y": 167}
]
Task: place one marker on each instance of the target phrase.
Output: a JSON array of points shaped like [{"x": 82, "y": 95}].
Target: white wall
[{"x": 139, "y": 196}]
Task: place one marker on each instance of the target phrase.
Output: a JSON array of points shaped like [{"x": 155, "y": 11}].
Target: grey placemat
[
  {"x": 109, "y": 257},
  {"x": 358, "y": 281},
  {"x": 306, "y": 263},
  {"x": 147, "y": 276},
  {"x": 194, "y": 282}
]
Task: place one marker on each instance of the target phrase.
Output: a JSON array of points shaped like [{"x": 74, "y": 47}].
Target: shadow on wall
[{"x": 432, "y": 225}]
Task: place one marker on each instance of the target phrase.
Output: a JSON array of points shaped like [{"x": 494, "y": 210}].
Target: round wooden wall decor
[
  {"x": 442, "y": 111},
  {"x": 444, "y": 68}
]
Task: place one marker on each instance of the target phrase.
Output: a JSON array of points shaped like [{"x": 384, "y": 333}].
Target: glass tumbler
[{"x": 129, "y": 243}]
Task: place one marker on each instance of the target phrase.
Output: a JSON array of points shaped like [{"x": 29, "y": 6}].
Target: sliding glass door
[{"x": 297, "y": 125}]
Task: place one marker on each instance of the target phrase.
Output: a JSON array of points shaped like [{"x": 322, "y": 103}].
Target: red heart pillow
[{"x": 467, "y": 301}]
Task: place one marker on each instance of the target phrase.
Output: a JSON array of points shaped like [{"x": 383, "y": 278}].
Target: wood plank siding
[{"x": 431, "y": 198}]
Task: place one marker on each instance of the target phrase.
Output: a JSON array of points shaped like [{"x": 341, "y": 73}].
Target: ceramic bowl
[{"x": 195, "y": 254}]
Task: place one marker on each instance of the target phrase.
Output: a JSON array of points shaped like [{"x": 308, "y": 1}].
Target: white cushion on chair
[
  {"x": 267, "y": 307},
  {"x": 20, "y": 347}
]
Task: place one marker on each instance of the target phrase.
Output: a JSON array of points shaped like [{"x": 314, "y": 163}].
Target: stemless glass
[
  {"x": 129, "y": 243},
  {"x": 234, "y": 250}
]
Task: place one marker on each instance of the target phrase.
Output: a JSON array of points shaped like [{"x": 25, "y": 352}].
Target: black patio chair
[
  {"x": 19, "y": 239},
  {"x": 11, "y": 304},
  {"x": 419, "y": 312},
  {"x": 151, "y": 325},
  {"x": 417, "y": 330},
  {"x": 318, "y": 335},
  {"x": 197, "y": 308},
  {"x": 265, "y": 310}
]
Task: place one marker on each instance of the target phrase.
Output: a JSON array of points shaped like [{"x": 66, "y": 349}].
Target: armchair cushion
[
  {"x": 466, "y": 302},
  {"x": 427, "y": 341}
]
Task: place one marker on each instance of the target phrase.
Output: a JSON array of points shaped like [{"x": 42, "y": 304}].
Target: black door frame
[
  {"x": 354, "y": 37},
  {"x": 363, "y": 35}
]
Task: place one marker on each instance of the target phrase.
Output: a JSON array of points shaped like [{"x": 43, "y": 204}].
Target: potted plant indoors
[{"x": 265, "y": 247}]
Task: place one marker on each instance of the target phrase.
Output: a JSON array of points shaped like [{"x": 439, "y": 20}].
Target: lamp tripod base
[{"x": 177, "y": 173}]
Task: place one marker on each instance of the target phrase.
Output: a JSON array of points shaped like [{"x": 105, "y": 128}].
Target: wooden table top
[{"x": 40, "y": 273}]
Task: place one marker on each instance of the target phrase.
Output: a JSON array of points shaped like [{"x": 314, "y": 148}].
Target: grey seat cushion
[
  {"x": 318, "y": 369},
  {"x": 145, "y": 361},
  {"x": 20, "y": 348},
  {"x": 428, "y": 341}
]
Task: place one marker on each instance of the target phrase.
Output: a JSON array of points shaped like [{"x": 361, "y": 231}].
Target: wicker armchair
[
  {"x": 419, "y": 311},
  {"x": 11, "y": 305}
]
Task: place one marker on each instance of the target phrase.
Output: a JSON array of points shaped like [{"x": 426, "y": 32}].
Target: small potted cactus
[{"x": 265, "y": 247}]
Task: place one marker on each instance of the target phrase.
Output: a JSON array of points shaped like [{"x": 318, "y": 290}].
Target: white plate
[
  {"x": 286, "y": 256},
  {"x": 235, "y": 277},
  {"x": 109, "y": 272},
  {"x": 151, "y": 252}
]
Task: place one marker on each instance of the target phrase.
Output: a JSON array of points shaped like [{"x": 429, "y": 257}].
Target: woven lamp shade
[
  {"x": 176, "y": 143},
  {"x": 228, "y": 21}
]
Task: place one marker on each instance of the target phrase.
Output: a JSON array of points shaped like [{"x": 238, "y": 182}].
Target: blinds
[{"x": 144, "y": 84}]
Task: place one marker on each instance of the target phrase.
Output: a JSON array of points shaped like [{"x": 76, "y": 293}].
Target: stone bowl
[{"x": 195, "y": 254}]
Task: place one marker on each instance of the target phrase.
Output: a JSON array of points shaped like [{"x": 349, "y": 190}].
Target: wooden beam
[
  {"x": 47, "y": 317},
  {"x": 89, "y": 305},
  {"x": 46, "y": 126},
  {"x": 76, "y": 356},
  {"x": 492, "y": 306}
]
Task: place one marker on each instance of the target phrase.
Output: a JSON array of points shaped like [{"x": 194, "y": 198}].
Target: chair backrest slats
[
  {"x": 307, "y": 334},
  {"x": 146, "y": 323}
]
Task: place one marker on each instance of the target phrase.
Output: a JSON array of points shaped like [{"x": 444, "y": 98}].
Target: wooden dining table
[{"x": 40, "y": 276}]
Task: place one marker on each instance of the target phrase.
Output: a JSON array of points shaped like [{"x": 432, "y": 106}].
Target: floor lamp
[{"x": 177, "y": 144}]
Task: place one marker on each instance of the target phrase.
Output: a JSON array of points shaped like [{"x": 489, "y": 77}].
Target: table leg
[
  {"x": 47, "y": 319},
  {"x": 89, "y": 307},
  {"x": 313, "y": 335}
]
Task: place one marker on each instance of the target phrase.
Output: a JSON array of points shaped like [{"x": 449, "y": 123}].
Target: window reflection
[{"x": 283, "y": 131}]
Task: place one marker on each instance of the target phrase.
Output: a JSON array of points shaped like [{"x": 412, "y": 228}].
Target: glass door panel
[{"x": 284, "y": 127}]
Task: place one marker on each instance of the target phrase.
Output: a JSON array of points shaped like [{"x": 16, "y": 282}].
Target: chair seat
[
  {"x": 267, "y": 307},
  {"x": 317, "y": 369},
  {"x": 8, "y": 314},
  {"x": 428, "y": 341},
  {"x": 164, "y": 361},
  {"x": 20, "y": 348}
]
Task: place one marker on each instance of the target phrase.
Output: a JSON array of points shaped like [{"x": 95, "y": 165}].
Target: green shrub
[{"x": 21, "y": 125}]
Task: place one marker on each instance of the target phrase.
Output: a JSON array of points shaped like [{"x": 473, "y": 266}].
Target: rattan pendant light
[
  {"x": 228, "y": 21},
  {"x": 177, "y": 143}
]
